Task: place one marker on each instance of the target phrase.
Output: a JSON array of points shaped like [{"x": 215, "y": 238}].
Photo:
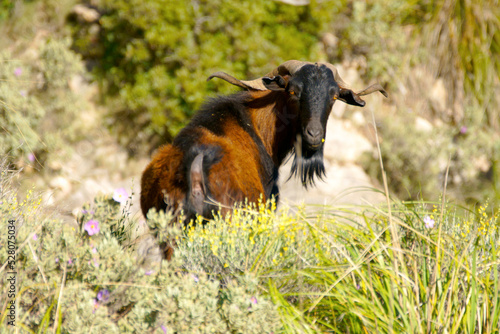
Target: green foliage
[
  {"x": 156, "y": 56},
  {"x": 465, "y": 37},
  {"x": 420, "y": 267},
  {"x": 253, "y": 239},
  {"x": 38, "y": 110},
  {"x": 6, "y": 7},
  {"x": 78, "y": 281},
  {"x": 417, "y": 268},
  {"x": 375, "y": 30},
  {"x": 416, "y": 160}
]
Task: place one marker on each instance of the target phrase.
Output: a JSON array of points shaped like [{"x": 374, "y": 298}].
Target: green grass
[{"x": 362, "y": 269}]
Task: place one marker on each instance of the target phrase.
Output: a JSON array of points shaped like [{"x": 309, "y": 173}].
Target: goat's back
[{"x": 236, "y": 165}]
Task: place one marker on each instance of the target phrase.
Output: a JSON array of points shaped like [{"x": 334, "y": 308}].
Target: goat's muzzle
[{"x": 314, "y": 135}]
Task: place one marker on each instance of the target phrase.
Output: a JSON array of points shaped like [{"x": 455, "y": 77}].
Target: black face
[{"x": 315, "y": 91}]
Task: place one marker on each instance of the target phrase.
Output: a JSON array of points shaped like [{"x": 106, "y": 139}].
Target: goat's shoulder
[{"x": 214, "y": 115}]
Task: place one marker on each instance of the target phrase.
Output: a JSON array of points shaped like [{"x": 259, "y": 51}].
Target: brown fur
[
  {"x": 235, "y": 177},
  {"x": 164, "y": 173}
]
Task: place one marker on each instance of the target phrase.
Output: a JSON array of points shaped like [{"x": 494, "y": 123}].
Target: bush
[
  {"x": 416, "y": 160},
  {"x": 155, "y": 56},
  {"x": 369, "y": 270},
  {"x": 38, "y": 110},
  {"x": 79, "y": 278}
]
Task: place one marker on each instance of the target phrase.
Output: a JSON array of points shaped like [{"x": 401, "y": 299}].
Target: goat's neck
[{"x": 275, "y": 123}]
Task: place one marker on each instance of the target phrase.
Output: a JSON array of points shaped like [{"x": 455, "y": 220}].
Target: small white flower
[{"x": 429, "y": 222}]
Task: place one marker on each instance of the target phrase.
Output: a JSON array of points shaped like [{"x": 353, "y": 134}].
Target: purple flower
[
  {"x": 120, "y": 195},
  {"x": 57, "y": 260},
  {"x": 164, "y": 329},
  {"x": 92, "y": 227},
  {"x": 94, "y": 250},
  {"x": 463, "y": 130},
  {"x": 70, "y": 261},
  {"x": 253, "y": 300},
  {"x": 429, "y": 222},
  {"x": 149, "y": 272},
  {"x": 195, "y": 278},
  {"x": 31, "y": 157},
  {"x": 358, "y": 287},
  {"x": 96, "y": 262},
  {"x": 23, "y": 92},
  {"x": 103, "y": 295},
  {"x": 18, "y": 71},
  {"x": 35, "y": 237}
]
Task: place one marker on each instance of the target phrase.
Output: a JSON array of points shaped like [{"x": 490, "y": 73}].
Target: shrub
[
  {"x": 38, "y": 110},
  {"x": 418, "y": 267},
  {"x": 88, "y": 277},
  {"x": 156, "y": 56}
]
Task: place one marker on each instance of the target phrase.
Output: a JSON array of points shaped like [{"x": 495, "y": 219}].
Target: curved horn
[
  {"x": 373, "y": 88},
  {"x": 336, "y": 75},
  {"x": 287, "y": 68},
  {"x": 252, "y": 84},
  {"x": 368, "y": 90},
  {"x": 290, "y": 67}
]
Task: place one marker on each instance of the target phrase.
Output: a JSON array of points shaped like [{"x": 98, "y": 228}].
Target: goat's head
[{"x": 311, "y": 90}]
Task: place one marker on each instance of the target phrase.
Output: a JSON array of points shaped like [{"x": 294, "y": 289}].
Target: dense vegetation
[
  {"x": 409, "y": 266},
  {"x": 438, "y": 59}
]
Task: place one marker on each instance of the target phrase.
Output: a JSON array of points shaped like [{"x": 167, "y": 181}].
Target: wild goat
[{"x": 232, "y": 148}]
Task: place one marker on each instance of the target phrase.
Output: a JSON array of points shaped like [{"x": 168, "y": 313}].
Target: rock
[
  {"x": 62, "y": 184},
  {"x": 438, "y": 96},
  {"x": 358, "y": 119},
  {"x": 482, "y": 163},
  {"x": 343, "y": 143},
  {"x": 85, "y": 13},
  {"x": 330, "y": 40},
  {"x": 423, "y": 125},
  {"x": 296, "y": 2},
  {"x": 338, "y": 109},
  {"x": 343, "y": 184}
]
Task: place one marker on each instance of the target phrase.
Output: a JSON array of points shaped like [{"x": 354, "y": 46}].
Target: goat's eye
[{"x": 292, "y": 92}]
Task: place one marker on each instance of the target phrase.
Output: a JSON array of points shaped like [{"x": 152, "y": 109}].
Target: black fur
[
  {"x": 307, "y": 166},
  {"x": 314, "y": 102}
]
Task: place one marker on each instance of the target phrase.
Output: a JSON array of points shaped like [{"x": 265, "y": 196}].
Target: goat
[{"x": 233, "y": 147}]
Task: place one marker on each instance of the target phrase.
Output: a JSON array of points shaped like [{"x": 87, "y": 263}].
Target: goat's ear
[
  {"x": 349, "y": 97},
  {"x": 277, "y": 83}
]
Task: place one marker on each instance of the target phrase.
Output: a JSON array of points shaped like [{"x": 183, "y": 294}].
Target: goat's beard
[{"x": 307, "y": 164}]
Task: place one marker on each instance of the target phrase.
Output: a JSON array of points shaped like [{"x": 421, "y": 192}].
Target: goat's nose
[{"x": 314, "y": 134}]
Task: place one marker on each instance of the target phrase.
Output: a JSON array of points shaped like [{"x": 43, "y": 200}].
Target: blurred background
[{"x": 89, "y": 89}]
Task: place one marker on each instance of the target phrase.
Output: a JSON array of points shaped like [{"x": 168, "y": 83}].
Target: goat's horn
[
  {"x": 251, "y": 84},
  {"x": 289, "y": 67},
  {"x": 368, "y": 90},
  {"x": 336, "y": 75},
  {"x": 373, "y": 88}
]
